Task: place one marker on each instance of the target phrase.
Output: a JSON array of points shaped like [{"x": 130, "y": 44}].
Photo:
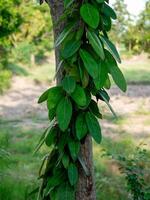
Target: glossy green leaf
[
  {"x": 107, "y": 84},
  {"x": 94, "y": 109},
  {"x": 51, "y": 113},
  {"x": 102, "y": 75},
  {"x": 70, "y": 48},
  {"x": 69, "y": 84},
  {"x": 90, "y": 15},
  {"x": 74, "y": 147},
  {"x": 51, "y": 136},
  {"x": 72, "y": 174},
  {"x": 116, "y": 72},
  {"x": 108, "y": 11},
  {"x": 44, "y": 96},
  {"x": 103, "y": 94},
  {"x": 81, "y": 127},
  {"x": 79, "y": 96},
  {"x": 93, "y": 127},
  {"x": 107, "y": 23},
  {"x": 89, "y": 63},
  {"x": 106, "y": 99},
  {"x": 79, "y": 33},
  {"x": 111, "y": 47},
  {"x": 65, "y": 160},
  {"x": 64, "y": 34},
  {"x": 64, "y": 113},
  {"x": 84, "y": 76},
  {"x": 96, "y": 44},
  {"x": 54, "y": 96},
  {"x": 85, "y": 79}
]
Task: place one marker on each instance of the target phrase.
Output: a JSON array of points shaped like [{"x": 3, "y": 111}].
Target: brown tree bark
[{"x": 86, "y": 185}]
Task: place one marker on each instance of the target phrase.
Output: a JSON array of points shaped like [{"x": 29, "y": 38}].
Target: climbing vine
[{"x": 88, "y": 62}]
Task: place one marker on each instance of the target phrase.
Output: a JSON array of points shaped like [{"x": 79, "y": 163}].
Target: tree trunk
[{"x": 86, "y": 186}]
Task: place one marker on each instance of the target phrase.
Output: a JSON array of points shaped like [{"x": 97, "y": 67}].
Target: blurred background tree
[
  {"x": 25, "y": 36},
  {"x": 122, "y": 22}
]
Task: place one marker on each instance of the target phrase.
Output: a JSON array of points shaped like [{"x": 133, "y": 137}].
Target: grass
[
  {"x": 19, "y": 170},
  {"x": 136, "y": 71}
]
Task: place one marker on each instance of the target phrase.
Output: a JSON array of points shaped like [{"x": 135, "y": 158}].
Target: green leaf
[
  {"x": 107, "y": 23},
  {"x": 44, "y": 96},
  {"x": 81, "y": 127},
  {"x": 51, "y": 136},
  {"x": 85, "y": 79},
  {"x": 106, "y": 99},
  {"x": 94, "y": 109},
  {"x": 93, "y": 127},
  {"x": 55, "y": 180},
  {"x": 84, "y": 76},
  {"x": 54, "y": 96},
  {"x": 69, "y": 84},
  {"x": 64, "y": 34},
  {"x": 74, "y": 148},
  {"x": 42, "y": 139},
  {"x": 102, "y": 75},
  {"x": 79, "y": 96},
  {"x": 79, "y": 33},
  {"x": 51, "y": 114},
  {"x": 72, "y": 174},
  {"x": 65, "y": 192},
  {"x": 63, "y": 141},
  {"x": 90, "y": 15},
  {"x": 65, "y": 160},
  {"x": 96, "y": 44},
  {"x": 89, "y": 63},
  {"x": 107, "y": 84},
  {"x": 108, "y": 11},
  {"x": 70, "y": 48},
  {"x": 67, "y": 3},
  {"x": 64, "y": 113},
  {"x": 116, "y": 72},
  {"x": 111, "y": 47}
]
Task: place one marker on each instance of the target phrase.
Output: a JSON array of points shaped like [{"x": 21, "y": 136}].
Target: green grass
[
  {"x": 19, "y": 170},
  {"x": 19, "y": 173},
  {"x": 137, "y": 72}
]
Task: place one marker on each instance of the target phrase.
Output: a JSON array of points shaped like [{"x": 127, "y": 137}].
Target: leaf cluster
[{"x": 88, "y": 60}]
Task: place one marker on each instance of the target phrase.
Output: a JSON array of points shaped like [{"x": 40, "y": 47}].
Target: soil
[{"x": 19, "y": 107}]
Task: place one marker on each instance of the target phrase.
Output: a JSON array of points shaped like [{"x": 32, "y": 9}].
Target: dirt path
[{"x": 19, "y": 104}]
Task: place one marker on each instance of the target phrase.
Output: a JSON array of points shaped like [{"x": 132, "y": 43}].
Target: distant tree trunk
[{"x": 86, "y": 185}]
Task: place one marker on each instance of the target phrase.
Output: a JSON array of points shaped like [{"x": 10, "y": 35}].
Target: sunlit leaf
[
  {"x": 90, "y": 15},
  {"x": 64, "y": 113}
]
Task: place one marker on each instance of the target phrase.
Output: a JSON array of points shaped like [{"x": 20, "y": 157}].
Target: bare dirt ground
[{"x": 19, "y": 107}]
